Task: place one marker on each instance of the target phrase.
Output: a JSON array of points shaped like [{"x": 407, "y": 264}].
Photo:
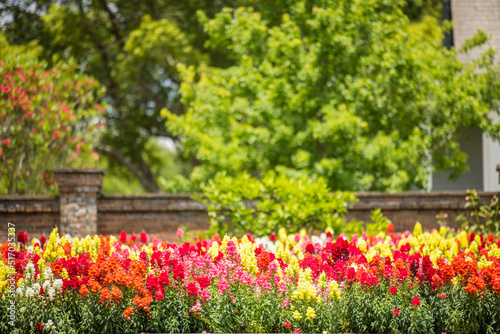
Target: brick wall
[
  {"x": 36, "y": 215},
  {"x": 159, "y": 215},
  {"x": 405, "y": 208},
  {"x": 81, "y": 209}
]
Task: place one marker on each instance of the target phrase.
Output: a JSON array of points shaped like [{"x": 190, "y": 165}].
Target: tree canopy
[
  {"x": 337, "y": 89},
  {"x": 133, "y": 49}
]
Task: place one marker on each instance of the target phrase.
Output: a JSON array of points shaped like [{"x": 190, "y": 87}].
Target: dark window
[{"x": 448, "y": 36}]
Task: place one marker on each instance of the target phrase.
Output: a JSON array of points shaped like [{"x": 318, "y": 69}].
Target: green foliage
[
  {"x": 339, "y": 90},
  {"x": 378, "y": 223},
  {"x": 427, "y": 31},
  {"x": 49, "y": 117},
  {"x": 482, "y": 219},
  {"x": 244, "y": 204},
  {"x": 134, "y": 48},
  {"x": 417, "y": 9}
]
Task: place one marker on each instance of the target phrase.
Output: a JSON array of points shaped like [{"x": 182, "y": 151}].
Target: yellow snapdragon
[
  {"x": 311, "y": 314},
  {"x": 65, "y": 273},
  {"x": 246, "y": 249},
  {"x": 293, "y": 267},
  {"x": 361, "y": 244},
  {"x": 334, "y": 289},
  {"x": 474, "y": 247},
  {"x": 494, "y": 250},
  {"x": 214, "y": 250},
  {"x": 371, "y": 253},
  {"x": 483, "y": 262},
  {"x": 282, "y": 235},
  {"x": 305, "y": 287},
  {"x": 417, "y": 230}
]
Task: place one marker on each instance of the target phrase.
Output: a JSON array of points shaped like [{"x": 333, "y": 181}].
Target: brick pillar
[{"x": 78, "y": 192}]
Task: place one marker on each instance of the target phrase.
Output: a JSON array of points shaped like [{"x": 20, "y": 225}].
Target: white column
[{"x": 491, "y": 158}]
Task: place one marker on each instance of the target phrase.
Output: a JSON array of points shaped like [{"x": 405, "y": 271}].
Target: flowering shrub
[
  {"x": 49, "y": 117},
  {"x": 417, "y": 282}
]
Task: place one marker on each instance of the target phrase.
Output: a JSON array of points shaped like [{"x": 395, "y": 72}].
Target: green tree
[
  {"x": 48, "y": 117},
  {"x": 133, "y": 48},
  {"x": 332, "y": 89}
]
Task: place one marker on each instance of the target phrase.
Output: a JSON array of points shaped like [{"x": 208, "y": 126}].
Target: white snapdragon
[
  {"x": 47, "y": 274},
  {"x": 58, "y": 284},
  {"x": 319, "y": 240},
  {"x": 29, "y": 292},
  {"x": 46, "y": 285},
  {"x": 49, "y": 325},
  {"x": 51, "y": 292},
  {"x": 268, "y": 244},
  {"x": 30, "y": 268}
]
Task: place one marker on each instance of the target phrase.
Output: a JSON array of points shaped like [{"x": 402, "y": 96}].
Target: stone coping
[
  {"x": 80, "y": 171},
  {"x": 375, "y": 194},
  {"x": 451, "y": 193},
  {"x": 17, "y": 198},
  {"x": 146, "y": 196}
]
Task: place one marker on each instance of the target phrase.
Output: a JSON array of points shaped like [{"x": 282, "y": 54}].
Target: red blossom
[
  {"x": 263, "y": 260},
  {"x": 193, "y": 290},
  {"x": 310, "y": 248},
  {"x": 22, "y": 237},
  {"x": 123, "y": 236},
  {"x": 203, "y": 281},
  {"x": 390, "y": 228},
  {"x": 144, "y": 237}
]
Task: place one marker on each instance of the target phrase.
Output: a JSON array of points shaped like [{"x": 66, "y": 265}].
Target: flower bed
[{"x": 389, "y": 283}]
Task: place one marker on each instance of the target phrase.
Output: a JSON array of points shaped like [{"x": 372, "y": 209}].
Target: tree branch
[
  {"x": 112, "y": 18},
  {"x": 143, "y": 173}
]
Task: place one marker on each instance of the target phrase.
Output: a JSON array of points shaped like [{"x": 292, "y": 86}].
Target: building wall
[
  {"x": 471, "y": 15},
  {"x": 484, "y": 154},
  {"x": 472, "y": 144}
]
